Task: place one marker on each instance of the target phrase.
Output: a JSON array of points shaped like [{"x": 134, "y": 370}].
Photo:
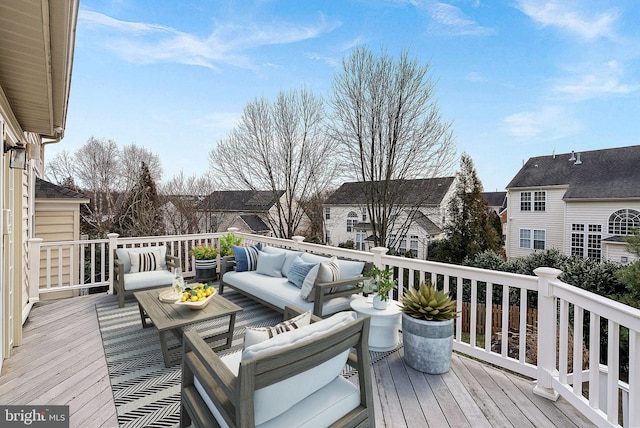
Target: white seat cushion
[{"x": 140, "y": 280}]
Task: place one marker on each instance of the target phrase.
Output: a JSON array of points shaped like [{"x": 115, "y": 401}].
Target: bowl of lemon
[{"x": 197, "y": 296}]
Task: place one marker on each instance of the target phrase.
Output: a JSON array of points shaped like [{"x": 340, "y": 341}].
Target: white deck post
[
  {"x": 113, "y": 244},
  {"x": 378, "y": 252},
  {"x": 297, "y": 240},
  {"x": 546, "y": 333}
]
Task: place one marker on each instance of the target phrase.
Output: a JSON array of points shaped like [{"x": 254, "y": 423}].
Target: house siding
[{"x": 551, "y": 221}]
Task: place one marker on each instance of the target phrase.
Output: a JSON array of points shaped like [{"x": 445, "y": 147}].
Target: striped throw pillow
[
  {"x": 144, "y": 262},
  {"x": 255, "y": 335},
  {"x": 246, "y": 257}
]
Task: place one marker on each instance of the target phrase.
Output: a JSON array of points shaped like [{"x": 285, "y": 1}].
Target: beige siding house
[
  {"x": 36, "y": 55},
  {"x": 420, "y": 212},
  {"x": 579, "y": 203},
  {"x": 57, "y": 218}
]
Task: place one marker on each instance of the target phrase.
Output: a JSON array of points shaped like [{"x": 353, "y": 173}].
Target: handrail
[{"x": 561, "y": 309}]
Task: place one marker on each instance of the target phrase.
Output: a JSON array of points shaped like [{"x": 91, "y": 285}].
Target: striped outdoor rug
[{"x": 146, "y": 393}]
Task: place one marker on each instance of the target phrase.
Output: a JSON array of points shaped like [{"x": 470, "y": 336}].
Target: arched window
[
  {"x": 622, "y": 221},
  {"x": 352, "y": 219}
]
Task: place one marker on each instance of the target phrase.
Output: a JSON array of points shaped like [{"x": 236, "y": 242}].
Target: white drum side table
[{"x": 385, "y": 323}]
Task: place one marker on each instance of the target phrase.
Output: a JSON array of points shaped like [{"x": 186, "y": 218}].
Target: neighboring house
[
  {"x": 180, "y": 215},
  {"x": 57, "y": 218},
  {"x": 346, "y": 215},
  {"x": 36, "y": 55},
  {"x": 498, "y": 204},
  {"x": 250, "y": 211},
  {"x": 579, "y": 203}
]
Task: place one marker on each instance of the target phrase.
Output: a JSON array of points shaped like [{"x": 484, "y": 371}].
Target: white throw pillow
[{"x": 270, "y": 264}]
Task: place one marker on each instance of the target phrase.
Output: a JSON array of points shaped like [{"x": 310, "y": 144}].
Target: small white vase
[{"x": 378, "y": 303}]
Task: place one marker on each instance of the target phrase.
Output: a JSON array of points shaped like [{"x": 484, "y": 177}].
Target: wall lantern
[{"x": 17, "y": 156}]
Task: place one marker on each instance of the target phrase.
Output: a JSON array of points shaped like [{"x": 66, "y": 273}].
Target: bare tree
[
  {"x": 130, "y": 159},
  {"x": 180, "y": 196},
  {"x": 279, "y": 146},
  {"x": 387, "y": 123},
  {"x": 139, "y": 214}
]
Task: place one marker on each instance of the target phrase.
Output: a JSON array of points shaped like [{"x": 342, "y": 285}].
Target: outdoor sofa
[{"x": 278, "y": 277}]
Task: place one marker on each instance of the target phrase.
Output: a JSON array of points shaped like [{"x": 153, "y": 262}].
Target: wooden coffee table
[{"x": 169, "y": 317}]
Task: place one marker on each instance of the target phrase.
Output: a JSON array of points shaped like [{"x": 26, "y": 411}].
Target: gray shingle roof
[
  {"x": 239, "y": 200},
  {"x": 426, "y": 223},
  {"x": 495, "y": 199},
  {"x": 46, "y": 190},
  {"x": 432, "y": 190},
  {"x": 602, "y": 174},
  {"x": 255, "y": 223}
]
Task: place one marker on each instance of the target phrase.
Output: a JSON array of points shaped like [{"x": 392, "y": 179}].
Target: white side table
[{"x": 385, "y": 323}]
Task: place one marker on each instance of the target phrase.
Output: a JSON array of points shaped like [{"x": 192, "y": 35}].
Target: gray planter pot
[
  {"x": 428, "y": 345},
  {"x": 206, "y": 269}
]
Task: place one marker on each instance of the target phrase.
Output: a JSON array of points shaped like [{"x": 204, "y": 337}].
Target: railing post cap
[
  {"x": 36, "y": 239},
  {"x": 297, "y": 239},
  {"x": 381, "y": 250},
  {"x": 547, "y": 272},
  {"x": 232, "y": 229},
  {"x": 112, "y": 235}
]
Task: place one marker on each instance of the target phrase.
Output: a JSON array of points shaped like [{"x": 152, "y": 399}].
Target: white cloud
[
  {"x": 602, "y": 80},
  {"x": 152, "y": 43},
  {"x": 475, "y": 76},
  {"x": 558, "y": 14},
  {"x": 221, "y": 121},
  {"x": 330, "y": 61},
  {"x": 548, "y": 123},
  {"x": 451, "y": 21}
]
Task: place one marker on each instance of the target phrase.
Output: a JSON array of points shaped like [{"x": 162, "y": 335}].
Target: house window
[
  {"x": 594, "y": 245},
  {"x": 327, "y": 236},
  {"x": 622, "y": 221},
  {"x": 352, "y": 220},
  {"x": 403, "y": 244},
  {"x": 525, "y": 201},
  {"x": 413, "y": 245},
  {"x": 525, "y": 238},
  {"x": 360, "y": 237},
  {"x": 537, "y": 243},
  {"x": 577, "y": 240},
  {"x": 539, "y": 201},
  {"x": 539, "y": 239},
  {"x": 364, "y": 214},
  {"x": 327, "y": 213},
  {"x": 586, "y": 241}
]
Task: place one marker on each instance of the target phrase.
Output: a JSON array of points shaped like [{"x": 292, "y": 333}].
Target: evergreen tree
[
  {"x": 470, "y": 229},
  {"x": 139, "y": 215}
]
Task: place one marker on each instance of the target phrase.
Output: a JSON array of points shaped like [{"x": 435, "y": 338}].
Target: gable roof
[
  {"x": 495, "y": 199},
  {"x": 434, "y": 190},
  {"x": 46, "y": 190},
  {"x": 240, "y": 200},
  {"x": 600, "y": 174},
  {"x": 255, "y": 223},
  {"x": 425, "y": 222}
]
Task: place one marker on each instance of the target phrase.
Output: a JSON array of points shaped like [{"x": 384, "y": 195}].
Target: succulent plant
[{"x": 429, "y": 304}]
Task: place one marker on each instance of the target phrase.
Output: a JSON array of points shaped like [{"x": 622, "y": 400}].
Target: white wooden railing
[{"x": 561, "y": 309}]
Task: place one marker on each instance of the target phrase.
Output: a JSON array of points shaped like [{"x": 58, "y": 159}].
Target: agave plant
[{"x": 429, "y": 304}]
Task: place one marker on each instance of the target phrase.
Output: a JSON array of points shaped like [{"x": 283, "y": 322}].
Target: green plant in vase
[
  {"x": 227, "y": 242},
  {"x": 381, "y": 283}
]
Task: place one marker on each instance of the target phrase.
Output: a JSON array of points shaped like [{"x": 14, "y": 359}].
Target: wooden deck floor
[{"x": 61, "y": 361}]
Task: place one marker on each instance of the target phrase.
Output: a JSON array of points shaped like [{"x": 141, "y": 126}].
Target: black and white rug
[{"x": 146, "y": 393}]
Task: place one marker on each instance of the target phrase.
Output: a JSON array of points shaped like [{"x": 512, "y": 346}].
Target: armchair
[
  {"x": 129, "y": 277},
  {"x": 292, "y": 379}
]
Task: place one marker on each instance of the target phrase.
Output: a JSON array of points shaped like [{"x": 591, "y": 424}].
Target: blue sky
[{"x": 518, "y": 78}]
